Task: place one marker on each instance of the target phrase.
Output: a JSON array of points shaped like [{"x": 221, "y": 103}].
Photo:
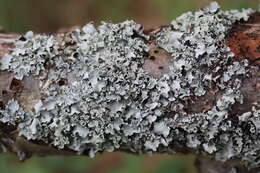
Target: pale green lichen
[{"x": 110, "y": 102}]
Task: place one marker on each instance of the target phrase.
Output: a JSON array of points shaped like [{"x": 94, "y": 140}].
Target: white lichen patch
[
  {"x": 96, "y": 96},
  {"x": 29, "y": 56},
  {"x": 12, "y": 113}
]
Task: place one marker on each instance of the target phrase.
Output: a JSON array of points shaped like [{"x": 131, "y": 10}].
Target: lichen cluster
[{"x": 96, "y": 95}]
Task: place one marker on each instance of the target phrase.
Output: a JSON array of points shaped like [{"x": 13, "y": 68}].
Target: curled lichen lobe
[{"x": 95, "y": 88}]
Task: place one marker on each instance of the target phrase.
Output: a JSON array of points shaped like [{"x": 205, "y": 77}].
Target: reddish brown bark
[
  {"x": 6, "y": 42},
  {"x": 244, "y": 39}
]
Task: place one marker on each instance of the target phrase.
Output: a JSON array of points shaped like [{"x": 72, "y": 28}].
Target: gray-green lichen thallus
[{"x": 87, "y": 91}]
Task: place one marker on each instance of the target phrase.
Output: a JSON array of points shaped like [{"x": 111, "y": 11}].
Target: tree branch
[{"x": 192, "y": 86}]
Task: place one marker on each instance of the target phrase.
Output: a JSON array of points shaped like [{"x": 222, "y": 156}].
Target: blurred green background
[{"x": 53, "y": 15}]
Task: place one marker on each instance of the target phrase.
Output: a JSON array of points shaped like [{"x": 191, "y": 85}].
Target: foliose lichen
[{"x": 96, "y": 95}]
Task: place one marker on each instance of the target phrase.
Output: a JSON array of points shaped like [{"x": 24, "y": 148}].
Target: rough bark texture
[
  {"x": 244, "y": 41},
  {"x": 210, "y": 165}
]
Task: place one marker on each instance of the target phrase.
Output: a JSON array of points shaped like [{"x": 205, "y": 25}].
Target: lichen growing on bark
[{"x": 95, "y": 94}]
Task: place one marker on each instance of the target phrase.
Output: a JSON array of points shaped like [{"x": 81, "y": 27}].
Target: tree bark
[{"x": 243, "y": 40}]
